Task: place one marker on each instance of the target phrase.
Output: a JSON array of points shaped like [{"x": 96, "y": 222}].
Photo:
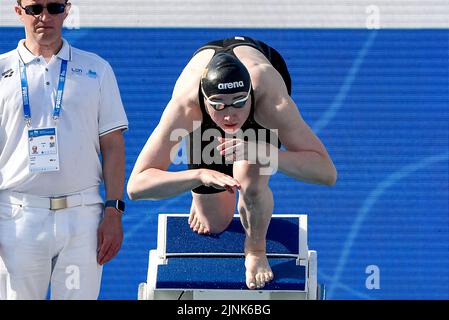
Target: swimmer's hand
[
  {"x": 233, "y": 149},
  {"x": 219, "y": 180}
]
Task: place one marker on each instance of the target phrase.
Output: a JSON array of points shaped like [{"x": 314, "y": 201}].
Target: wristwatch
[{"x": 117, "y": 204}]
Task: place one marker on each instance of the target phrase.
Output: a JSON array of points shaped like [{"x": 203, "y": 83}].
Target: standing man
[
  {"x": 231, "y": 87},
  {"x": 54, "y": 227}
]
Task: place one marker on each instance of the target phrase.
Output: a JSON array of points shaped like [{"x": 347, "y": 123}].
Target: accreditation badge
[{"x": 43, "y": 150}]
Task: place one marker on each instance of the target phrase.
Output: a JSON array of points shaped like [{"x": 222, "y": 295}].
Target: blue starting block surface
[
  {"x": 226, "y": 273},
  {"x": 282, "y": 238}
]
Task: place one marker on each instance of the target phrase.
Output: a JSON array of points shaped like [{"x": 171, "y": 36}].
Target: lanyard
[{"x": 26, "y": 97}]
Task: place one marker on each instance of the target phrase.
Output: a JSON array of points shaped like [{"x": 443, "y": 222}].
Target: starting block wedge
[{"x": 186, "y": 265}]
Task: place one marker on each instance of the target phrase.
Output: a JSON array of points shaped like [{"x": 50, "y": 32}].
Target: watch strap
[{"x": 117, "y": 204}]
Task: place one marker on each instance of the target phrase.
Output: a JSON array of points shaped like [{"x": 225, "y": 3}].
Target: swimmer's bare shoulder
[
  {"x": 274, "y": 108},
  {"x": 255, "y": 62},
  {"x": 185, "y": 92},
  {"x": 180, "y": 114},
  {"x": 270, "y": 93}
]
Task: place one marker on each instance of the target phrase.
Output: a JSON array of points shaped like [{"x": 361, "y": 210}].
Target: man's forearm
[
  {"x": 308, "y": 166},
  {"x": 113, "y": 154}
]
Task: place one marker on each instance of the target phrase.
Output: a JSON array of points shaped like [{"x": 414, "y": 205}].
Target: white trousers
[{"x": 41, "y": 248}]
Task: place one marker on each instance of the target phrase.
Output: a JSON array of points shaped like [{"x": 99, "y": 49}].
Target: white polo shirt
[{"x": 91, "y": 107}]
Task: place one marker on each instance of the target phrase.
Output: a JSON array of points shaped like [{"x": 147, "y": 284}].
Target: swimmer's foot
[
  {"x": 196, "y": 225},
  {"x": 258, "y": 271}
]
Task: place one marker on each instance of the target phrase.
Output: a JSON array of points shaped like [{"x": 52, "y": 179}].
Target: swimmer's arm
[
  {"x": 156, "y": 184},
  {"x": 305, "y": 157},
  {"x": 149, "y": 178}
]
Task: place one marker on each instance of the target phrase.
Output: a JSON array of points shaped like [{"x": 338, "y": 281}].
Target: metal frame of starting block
[{"x": 179, "y": 246}]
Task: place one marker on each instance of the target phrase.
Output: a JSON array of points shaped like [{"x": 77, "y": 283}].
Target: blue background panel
[
  {"x": 198, "y": 273},
  {"x": 282, "y": 237},
  {"x": 377, "y": 99}
]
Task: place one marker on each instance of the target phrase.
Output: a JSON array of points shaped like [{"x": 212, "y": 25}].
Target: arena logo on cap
[{"x": 231, "y": 85}]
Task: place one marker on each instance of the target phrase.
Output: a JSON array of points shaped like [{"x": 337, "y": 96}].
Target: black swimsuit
[{"x": 198, "y": 147}]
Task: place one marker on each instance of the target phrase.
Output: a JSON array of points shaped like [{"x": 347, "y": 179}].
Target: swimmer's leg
[
  {"x": 255, "y": 206},
  {"x": 211, "y": 213}
]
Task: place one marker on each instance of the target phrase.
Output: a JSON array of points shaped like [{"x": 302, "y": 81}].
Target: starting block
[{"x": 190, "y": 266}]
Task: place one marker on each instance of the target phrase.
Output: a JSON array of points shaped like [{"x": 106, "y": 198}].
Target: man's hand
[{"x": 110, "y": 235}]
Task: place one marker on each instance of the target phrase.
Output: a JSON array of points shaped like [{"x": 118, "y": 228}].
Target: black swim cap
[{"x": 225, "y": 74}]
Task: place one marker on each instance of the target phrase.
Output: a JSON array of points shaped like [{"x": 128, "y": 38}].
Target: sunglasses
[
  {"x": 218, "y": 106},
  {"x": 52, "y": 8}
]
